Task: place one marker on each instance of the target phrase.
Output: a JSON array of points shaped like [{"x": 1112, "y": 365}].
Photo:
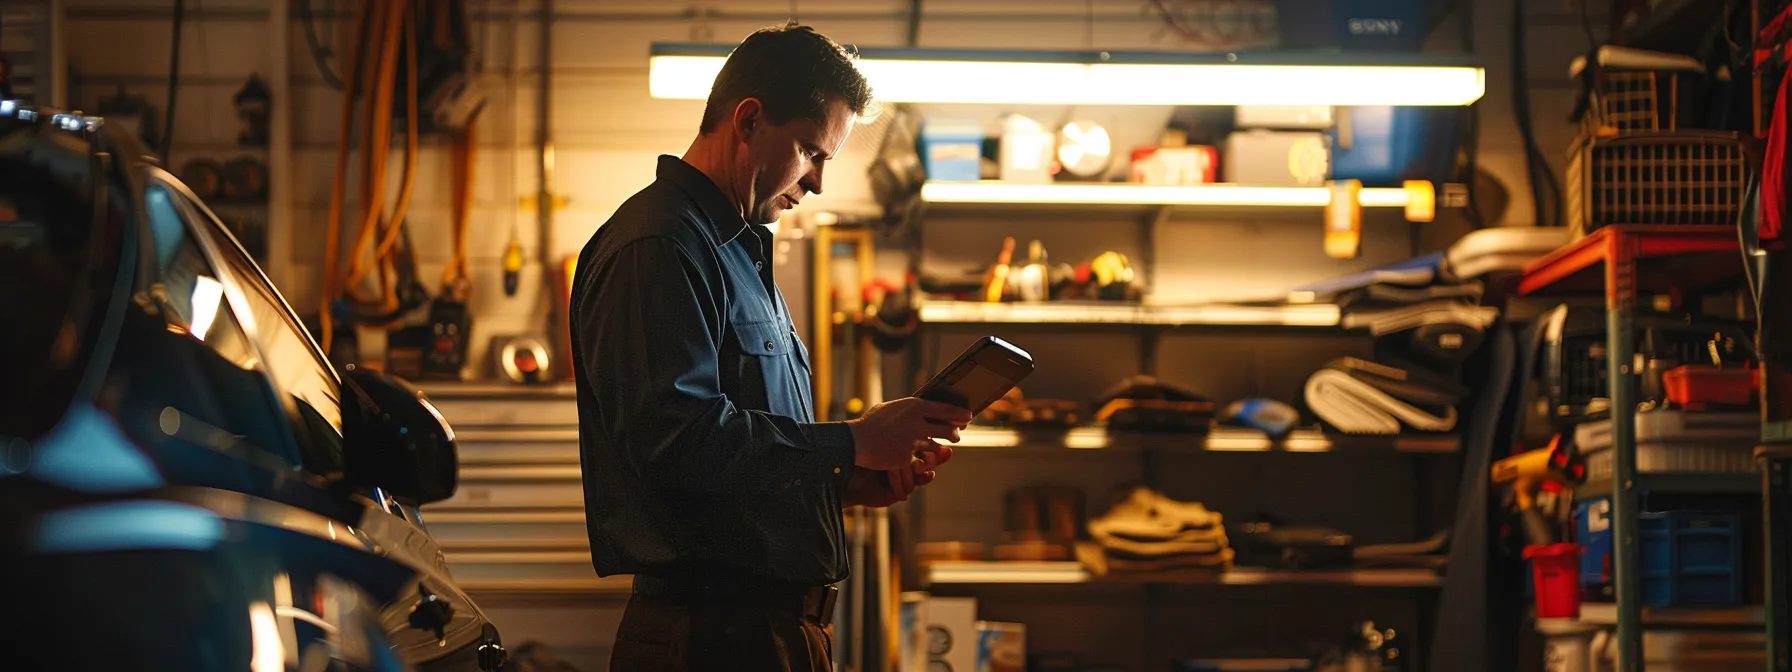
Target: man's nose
[{"x": 812, "y": 180}]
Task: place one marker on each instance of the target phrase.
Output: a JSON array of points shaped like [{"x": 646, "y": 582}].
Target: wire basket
[
  {"x": 1664, "y": 177},
  {"x": 1633, "y": 100}
]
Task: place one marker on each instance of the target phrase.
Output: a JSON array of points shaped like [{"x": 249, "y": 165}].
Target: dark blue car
[{"x": 186, "y": 483}]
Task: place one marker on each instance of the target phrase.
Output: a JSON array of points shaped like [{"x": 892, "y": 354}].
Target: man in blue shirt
[{"x": 706, "y": 474}]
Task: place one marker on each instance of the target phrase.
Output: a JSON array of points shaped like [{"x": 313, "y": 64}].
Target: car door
[
  {"x": 312, "y": 390},
  {"x": 309, "y": 388}
]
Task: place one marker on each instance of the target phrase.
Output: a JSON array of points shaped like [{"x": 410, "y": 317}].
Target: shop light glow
[
  {"x": 1213, "y": 195},
  {"x": 686, "y": 71}
]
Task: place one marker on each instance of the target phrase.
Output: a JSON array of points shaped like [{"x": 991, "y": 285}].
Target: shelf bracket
[{"x": 1154, "y": 219}]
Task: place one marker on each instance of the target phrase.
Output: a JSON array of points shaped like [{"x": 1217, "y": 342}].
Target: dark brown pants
[{"x": 665, "y": 634}]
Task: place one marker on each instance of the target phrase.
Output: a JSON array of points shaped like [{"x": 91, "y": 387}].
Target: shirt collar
[{"x": 715, "y": 206}]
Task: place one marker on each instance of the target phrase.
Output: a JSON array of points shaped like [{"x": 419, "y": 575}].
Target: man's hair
[{"x": 792, "y": 70}]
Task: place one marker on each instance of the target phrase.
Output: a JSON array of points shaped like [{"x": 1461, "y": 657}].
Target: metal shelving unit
[
  {"x": 1624, "y": 263},
  {"x": 1150, "y": 207}
]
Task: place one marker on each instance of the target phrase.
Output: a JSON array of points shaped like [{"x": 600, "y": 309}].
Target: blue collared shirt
[{"x": 697, "y": 429}]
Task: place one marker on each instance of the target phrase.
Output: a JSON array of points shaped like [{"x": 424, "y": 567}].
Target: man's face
[{"x": 785, "y": 160}]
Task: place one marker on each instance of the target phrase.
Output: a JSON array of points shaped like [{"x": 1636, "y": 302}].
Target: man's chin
[{"x": 767, "y": 216}]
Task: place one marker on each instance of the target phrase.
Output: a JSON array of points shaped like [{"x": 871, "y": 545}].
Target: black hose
[
  {"x": 167, "y": 140},
  {"x": 1471, "y": 124},
  {"x": 320, "y": 52},
  {"x": 914, "y": 23},
  {"x": 1545, "y": 192}
]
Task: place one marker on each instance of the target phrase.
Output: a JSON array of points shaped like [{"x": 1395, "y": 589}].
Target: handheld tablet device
[{"x": 980, "y": 375}]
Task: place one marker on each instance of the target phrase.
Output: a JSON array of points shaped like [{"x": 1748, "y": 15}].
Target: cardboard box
[{"x": 1001, "y": 647}]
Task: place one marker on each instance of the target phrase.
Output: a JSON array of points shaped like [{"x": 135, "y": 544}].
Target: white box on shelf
[
  {"x": 1297, "y": 158},
  {"x": 952, "y": 632}
]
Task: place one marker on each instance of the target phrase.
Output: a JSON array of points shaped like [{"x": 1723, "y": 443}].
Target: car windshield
[{"x": 58, "y": 267}]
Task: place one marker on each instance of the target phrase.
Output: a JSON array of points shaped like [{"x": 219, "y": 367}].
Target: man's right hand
[{"x": 884, "y": 438}]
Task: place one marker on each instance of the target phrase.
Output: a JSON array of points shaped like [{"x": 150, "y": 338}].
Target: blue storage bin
[
  {"x": 1390, "y": 145},
  {"x": 952, "y": 149},
  {"x": 1593, "y": 529},
  {"x": 1691, "y": 557}
]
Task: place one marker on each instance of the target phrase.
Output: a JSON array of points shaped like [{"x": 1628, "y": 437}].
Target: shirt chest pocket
[{"x": 767, "y": 376}]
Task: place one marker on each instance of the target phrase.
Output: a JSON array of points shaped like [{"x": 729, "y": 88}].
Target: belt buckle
[{"x": 829, "y": 596}]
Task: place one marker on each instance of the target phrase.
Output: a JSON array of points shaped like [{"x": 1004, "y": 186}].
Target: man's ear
[{"x": 749, "y": 117}]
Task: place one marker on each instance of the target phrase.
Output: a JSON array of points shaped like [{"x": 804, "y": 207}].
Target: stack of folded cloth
[
  {"x": 1357, "y": 396},
  {"x": 1417, "y": 306},
  {"x": 1148, "y": 532}
]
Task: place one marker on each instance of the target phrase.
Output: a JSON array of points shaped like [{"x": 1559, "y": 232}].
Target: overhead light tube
[{"x": 1103, "y": 78}]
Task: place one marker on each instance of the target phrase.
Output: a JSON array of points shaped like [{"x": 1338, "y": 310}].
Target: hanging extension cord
[
  {"x": 1546, "y": 194},
  {"x": 167, "y": 139}
]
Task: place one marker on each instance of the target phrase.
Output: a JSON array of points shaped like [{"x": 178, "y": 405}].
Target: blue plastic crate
[
  {"x": 1387, "y": 146},
  {"x": 1688, "y": 557},
  {"x": 1691, "y": 557}
]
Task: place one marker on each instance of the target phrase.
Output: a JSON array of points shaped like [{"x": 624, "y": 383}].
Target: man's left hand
[{"x": 879, "y": 489}]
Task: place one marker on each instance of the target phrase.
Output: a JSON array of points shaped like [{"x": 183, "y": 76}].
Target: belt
[{"x": 815, "y": 603}]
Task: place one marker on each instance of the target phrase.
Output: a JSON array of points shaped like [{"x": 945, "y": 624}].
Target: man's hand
[
  {"x": 885, "y": 437},
  {"x": 879, "y": 489}
]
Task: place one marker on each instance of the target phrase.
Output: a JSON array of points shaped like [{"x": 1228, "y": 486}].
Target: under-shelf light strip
[
  {"x": 1237, "y": 195},
  {"x": 905, "y": 80}
]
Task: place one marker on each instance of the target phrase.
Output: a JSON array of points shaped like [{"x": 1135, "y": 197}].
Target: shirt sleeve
[{"x": 650, "y": 330}]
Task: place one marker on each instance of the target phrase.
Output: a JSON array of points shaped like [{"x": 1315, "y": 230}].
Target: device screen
[{"x": 981, "y": 387}]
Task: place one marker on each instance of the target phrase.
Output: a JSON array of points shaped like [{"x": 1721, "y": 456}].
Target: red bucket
[{"x": 1555, "y": 571}]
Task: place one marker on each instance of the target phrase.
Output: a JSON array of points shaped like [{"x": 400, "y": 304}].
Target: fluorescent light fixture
[
  {"x": 1212, "y": 195},
  {"x": 987, "y": 438},
  {"x": 686, "y": 71},
  {"x": 1007, "y": 572},
  {"x": 974, "y": 312},
  {"x": 207, "y": 292}
]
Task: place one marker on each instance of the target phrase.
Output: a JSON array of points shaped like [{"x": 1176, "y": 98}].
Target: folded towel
[
  {"x": 1147, "y": 515},
  {"x": 1382, "y": 321},
  {"x": 1218, "y": 562},
  {"x": 1356, "y": 406},
  {"x": 1191, "y": 543}
]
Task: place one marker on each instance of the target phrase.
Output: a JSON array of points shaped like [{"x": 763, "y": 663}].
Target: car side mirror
[{"x": 395, "y": 440}]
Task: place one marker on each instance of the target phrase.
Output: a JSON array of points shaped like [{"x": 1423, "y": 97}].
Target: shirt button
[
  {"x": 769, "y": 345},
  {"x": 836, "y": 470},
  {"x": 758, "y": 265}
]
